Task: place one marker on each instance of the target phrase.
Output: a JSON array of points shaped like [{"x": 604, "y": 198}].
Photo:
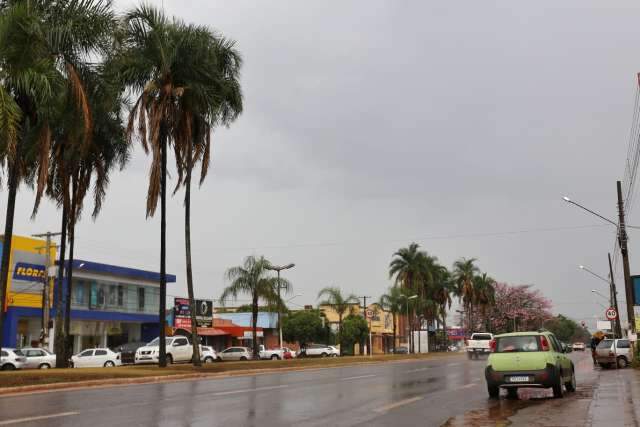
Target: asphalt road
[{"x": 427, "y": 392}]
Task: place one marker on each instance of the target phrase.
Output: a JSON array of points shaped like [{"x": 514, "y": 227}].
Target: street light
[
  {"x": 279, "y": 269},
  {"x": 598, "y": 293},
  {"x": 408, "y": 298},
  {"x": 582, "y": 267},
  {"x": 568, "y": 200},
  {"x": 612, "y": 291}
]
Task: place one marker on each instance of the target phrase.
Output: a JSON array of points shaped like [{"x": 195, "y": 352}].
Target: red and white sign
[
  {"x": 182, "y": 323},
  {"x": 611, "y": 313}
]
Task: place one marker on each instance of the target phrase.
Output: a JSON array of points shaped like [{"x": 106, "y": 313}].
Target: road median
[{"x": 31, "y": 381}]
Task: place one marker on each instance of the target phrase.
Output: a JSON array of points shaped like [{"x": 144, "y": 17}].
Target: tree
[
  {"x": 253, "y": 278},
  {"x": 213, "y": 98},
  {"x": 392, "y": 302},
  {"x": 566, "y": 330},
  {"x": 518, "y": 308},
  {"x": 159, "y": 61},
  {"x": 355, "y": 330},
  {"x": 483, "y": 296},
  {"x": 338, "y": 302},
  {"x": 464, "y": 271},
  {"x": 303, "y": 327}
]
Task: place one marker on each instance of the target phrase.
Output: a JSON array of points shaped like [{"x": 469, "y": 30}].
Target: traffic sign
[
  {"x": 611, "y": 313},
  {"x": 369, "y": 314}
]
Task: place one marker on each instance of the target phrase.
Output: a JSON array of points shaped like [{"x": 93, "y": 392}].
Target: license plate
[{"x": 518, "y": 379}]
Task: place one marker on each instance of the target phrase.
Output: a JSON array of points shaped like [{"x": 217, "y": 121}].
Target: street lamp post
[
  {"x": 622, "y": 242},
  {"x": 279, "y": 269},
  {"x": 613, "y": 298}
]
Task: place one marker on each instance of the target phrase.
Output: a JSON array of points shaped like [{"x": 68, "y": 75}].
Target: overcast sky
[{"x": 369, "y": 125}]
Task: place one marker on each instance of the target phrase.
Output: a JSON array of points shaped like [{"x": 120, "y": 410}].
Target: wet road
[{"x": 427, "y": 392}]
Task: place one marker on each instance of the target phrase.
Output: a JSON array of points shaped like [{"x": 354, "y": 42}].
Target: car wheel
[
  {"x": 208, "y": 359},
  {"x": 334, "y": 355},
  {"x": 324, "y": 355},
  {"x": 109, "y": 364},
  {"x": 169, "y": 359},
  {"x": 622, "y": 362},
  {"x": 512, "y": 393},
  {"x": 275, "y": 357},
  {"x": 558, "y": 392},
  {"x": 470, "y": 355},
  {"x": 243, "y": 358},
  {"x": 219, "y": 359},
  {"x": 44, "y": 366},
  {"x": 494, "y": 391},
  {"x": 8, "y": 367},
  {"x": 571, "y": 385}
]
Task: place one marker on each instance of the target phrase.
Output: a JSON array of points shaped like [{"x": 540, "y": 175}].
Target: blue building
[{"x": 110, "y": 305}]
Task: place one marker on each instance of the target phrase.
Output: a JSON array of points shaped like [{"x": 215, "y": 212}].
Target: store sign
[
  {"x": 26, "y": 271},
  {"x": 182, "y": 313},
  {"x": 249, "y": 334}
]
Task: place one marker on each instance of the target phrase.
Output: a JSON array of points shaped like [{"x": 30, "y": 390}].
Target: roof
[
  {"x": 522, "y": 334},
  {"x": 114, "y": 270},
  {"x": 266, "y": 319}
]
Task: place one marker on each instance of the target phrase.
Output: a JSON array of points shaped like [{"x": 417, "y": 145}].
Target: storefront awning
[{"x": 212, "y": 332}]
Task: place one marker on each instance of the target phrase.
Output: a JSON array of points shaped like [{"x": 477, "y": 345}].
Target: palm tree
[
  {"x": 441, "y": 294},
  {"x": 338, "y": 302},
  {"x": 392, "y": 302},
  {"x": 159, "y": 60},
  {"x": 464, "y": 271},
  {"x": 253, "y": 278},
  {"x": 484, "y": 294},
  {"x": 42, "y": 45},
  {"x": 214, "y": 100}
]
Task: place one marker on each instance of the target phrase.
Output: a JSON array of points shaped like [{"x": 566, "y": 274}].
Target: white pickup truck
[
  {"x": 479, "y": 344},
  {"x": 275, "y": 354},
  {"x": 178, "y": 350}
]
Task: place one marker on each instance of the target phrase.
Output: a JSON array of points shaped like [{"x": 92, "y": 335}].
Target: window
[
  {"x": 481, "y": 337},
  {"x": 120, "y": 295},
  {"x": 522, "y": 343},
  {"x": 140, "y": 299},
  {"x": 4, "y": 354},
  {"x": 112, "y": 295},
  {"x": 605, "y": 344},
  {"x": 101, "y": 352},
  {"x": 86, "y": 353},
  {"x": 623, "y": 344},
  {"x": 78, "y": 293},
  {"x": 556, "y": 344},
  {"x": 34, "y": 353},
  {"x": 180, "y": 342},
  {"x": 101, "y": 296}
]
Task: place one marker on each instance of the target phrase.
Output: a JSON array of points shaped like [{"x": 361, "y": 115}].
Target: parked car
[
  {"x": 288, "y": 353},
  {"x": 611, "y": 352},
  {"x": 273, "y": 354},
  {"x": 318, "y": 350},
  {"x": 178, "y": 350},
  {"x": 128, "y": 351},
  {"x": 96, "y": 358},
  {"x": 11, "y": 360},
  {"x": 453, "y": 348},
  {"x": 478, "y": 344},
  {"x": 578, "y": 346},
  {"x": 208, "y": 354},
  {"x": 400, "y": 350},
  {"x": 529, "y": 359},
  {"x": 236, "y": 353},
  {"x": 37, "y": 358}
]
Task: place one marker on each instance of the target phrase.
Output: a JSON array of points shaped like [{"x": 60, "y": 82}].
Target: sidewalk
[{"x": 614, "y": 397}]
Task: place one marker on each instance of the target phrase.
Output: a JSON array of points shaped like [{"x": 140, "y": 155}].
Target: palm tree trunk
[
  {"x": 58, "y": 342},
  {"x": 254, "y": 316},
  {"x": 340, "y": 330},
  {"x": 444, "y": 327},
  {"x": 67, "y": 309},
  {"x": 187, "y": 243},
  {"x": 6, "y": 242},
  {"x": 393, "y": 316},
  {"x": 162, "y": 362}
]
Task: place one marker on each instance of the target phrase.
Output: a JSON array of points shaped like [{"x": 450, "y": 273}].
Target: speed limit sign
[{"x": 611, "y": 313}]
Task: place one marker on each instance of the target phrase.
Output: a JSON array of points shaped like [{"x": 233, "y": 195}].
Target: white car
[
  {"x": 10, "y": 359},
  {"x": 96, "y": 358},
  {"x": 236, "y": 353},
  {"x": 319, "y": 350},
  {"x": 208, "y": 355},
  {"x": 273, "y": 354},
  {"x": 178, "y": 349},
  {"x": 37, "y": 358}
]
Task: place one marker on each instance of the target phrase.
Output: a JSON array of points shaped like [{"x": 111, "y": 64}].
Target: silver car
[
  {"x": 38, "y": 358},
  {"x": 611, "y": 352},
  {"x": 236, "y": 353},
  {"x": 10, "y": 359}
]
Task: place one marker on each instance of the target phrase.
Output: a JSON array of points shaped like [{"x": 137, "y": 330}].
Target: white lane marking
[
  {"x": 469, "y": 385},
  {"x": 398, "y": 404},
  {"x": 358, "y": 377},
  {"x": 419, "y": 369},
  {"x": 37, "y": 418},
  {"x": 247, "y": 390},
  {"x": 454, "y": 364}
]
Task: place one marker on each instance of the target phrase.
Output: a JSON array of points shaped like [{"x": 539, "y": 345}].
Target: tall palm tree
[
  {"x": 392, "y": 302},
  {"x": 464, "y": 271},
  {"x": 340, "y": 303},
  {"x": 214, "y": 100},
  {"x": 159, "y": 61},
  {"x": 253, "y": 278},
  {"x": 484, "y": 294}
]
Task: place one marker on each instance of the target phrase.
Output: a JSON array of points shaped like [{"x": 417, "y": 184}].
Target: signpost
[
  {"x": 182, "y": 313},
  {"x": 611, "y": 313}
]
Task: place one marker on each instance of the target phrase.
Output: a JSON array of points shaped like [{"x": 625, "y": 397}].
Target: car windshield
[
  {"x": 605, "y": 344},
  {"x": 524, "y": 343},
  {"x": 156, "y": 342},
  {"x": 481, "y": 337},
  {"x": 18, "y": 352}
]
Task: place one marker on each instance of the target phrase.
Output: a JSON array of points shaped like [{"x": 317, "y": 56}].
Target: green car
[{"x": 529, "y": 359}]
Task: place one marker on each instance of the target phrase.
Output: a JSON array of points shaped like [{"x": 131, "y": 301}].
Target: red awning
[
  {"x": 237, "y": 331},
  {"x": 211, "y": 332}
]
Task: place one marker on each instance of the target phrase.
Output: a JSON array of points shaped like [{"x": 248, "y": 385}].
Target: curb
[{"x": 108, "y": 383}]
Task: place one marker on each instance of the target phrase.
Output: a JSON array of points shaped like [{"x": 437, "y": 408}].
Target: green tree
[
  {"x": 566, "y": 330},
  {"x": 303, "y": 327},
  {"x": 464, "y": 272},
  {"x": 483, "y": 295},
  {"x": 253, "y": 278},
  {"x": 393, "y": 302},
  {"x": 355, "y": 330},
  {"x": 340, "y": 303}
]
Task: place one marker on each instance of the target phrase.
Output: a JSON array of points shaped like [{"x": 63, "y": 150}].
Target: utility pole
[
  {"x": 622, "y": 241},
  {"x": 364, "y": 314},
  {"x": 46, "y": 305},
  {"x": 279, "y": 269},
  {"x": 614, "y": 300}
]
